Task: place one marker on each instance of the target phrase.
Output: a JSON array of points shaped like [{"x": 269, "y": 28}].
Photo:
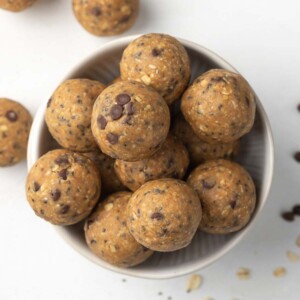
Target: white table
[{"x": 261, "y": 38}]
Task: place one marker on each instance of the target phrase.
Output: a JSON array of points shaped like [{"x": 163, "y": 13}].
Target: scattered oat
[
  {"x": 279, "y": 272},
  {"x": 243, "y": 273},
  {"x": 153, "y": 67},
  {"x": 194, "y": 282},
  {"x": 292, "y": 256},
  {"x": 108, "y": 206},
  {"x": 298, "y": 241}
]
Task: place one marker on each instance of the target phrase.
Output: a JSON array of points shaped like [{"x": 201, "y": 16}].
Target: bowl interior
[{"x": 256, "y": 156}]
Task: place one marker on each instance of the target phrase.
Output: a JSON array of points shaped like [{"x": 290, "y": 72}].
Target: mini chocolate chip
[
  {"x": 89, "y": 223},
  {"x": 112, "y": 138},
  {"x": 297, "y": 156},
  {"x": 156, "y": 52},
  {"x": 11, "y": 116},
  {"x": 122, "y": 99},
  {"x": 62, "y": 159},
  {"x": 157, "y": 216},
  {"x": 125, "y": 19},
  {"x": 36, "y": 186},
  {"x": 247, "y": 101},
  {"x": 96, "y": 11},
  {"x": 55, "y": 194},
  {"x": 296, "y": 210},
  {"x": 116, "y": 111},
  {"x": 93, "y": 242},
  {"x": 49, "y": 102},
  {"x": 101, "y": 121},
  {"x": 208, "y": 184},
  {"x": 129, "y": 108},
  {"x": 80, "y": 160},
  {"x": 233, "y": 204},
  {"x": 63, "y": 174},
  {"x": 288, "y": 216},
  {"x": 64, "y": 209}
]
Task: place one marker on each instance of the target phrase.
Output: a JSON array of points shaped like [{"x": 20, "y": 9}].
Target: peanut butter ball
[{"x": 16, "y": 5}]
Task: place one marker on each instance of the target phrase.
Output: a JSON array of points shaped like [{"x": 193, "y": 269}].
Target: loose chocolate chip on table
[
  {"x": 129, "y": 108},
  {"x": 112, "y": 138},
  {"x": 297, "y": 156},
  {"x": 157, "y": 216},
  {"x": 288, "y": 216},
  {"x": 96, "y": 11},
  {"x": 55, "y": 194},
  {"x": 11, "y": 116},
  {"x": 101, "y": 121},
  {"x": 296, "y": 210},
  {"x": 63, "y": 174},
  {"x": 122, "y": 99},
  {"x": 116, "y": 111},
  {"x": 156, "y": 52},
  {"x": 36, "y": 186},
  {"x": 64, "y": 209}
]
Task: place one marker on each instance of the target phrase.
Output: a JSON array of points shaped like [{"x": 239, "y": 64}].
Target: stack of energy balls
[{"x": 159, "y": 183}]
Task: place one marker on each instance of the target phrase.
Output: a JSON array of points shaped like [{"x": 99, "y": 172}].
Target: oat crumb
[
  {"x": 292, "y": 256},
  {"x": 194, "y": 282},
  {"x": 279, "y": 272},
  {"x": 243, "y": 273},
  {"x": 108, "y": 206}
]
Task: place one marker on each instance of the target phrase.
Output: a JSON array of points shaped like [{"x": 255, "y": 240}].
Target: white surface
[{"x": 261, "y": 39}]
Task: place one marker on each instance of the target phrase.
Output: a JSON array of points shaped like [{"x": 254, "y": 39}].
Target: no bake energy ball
[
  {"x": 170, "y": 161},
  {"x": 106, "y": 17},
  {"x": 107, "y": 234},
  {"x": 130, "y": 121},
  {"x": 16, "y": 5},
  {"x": 164, "y": 214},
  {"x": 219, "y": 106},
  {"x": 63, "y": 187},
  {"x": 15, "y": 123},
  {"x": 68, "y": 114},
  {"x": 227, "y": 195},
  {"x": 160, "y": 61}
]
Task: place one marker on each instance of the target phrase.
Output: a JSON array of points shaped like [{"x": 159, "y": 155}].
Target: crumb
[
  {"x": 243, "y": 273},
  {"x": 208, "y": 298},
  {"x": 194, "y": 282},
  {"x": 298, "y": 241},
  {"x": 288, "y": 216},
  {"x": 297, "y": 156},
  {"x": 279, "y": 272},
  {"x": 169, "y": 298},
  {"x": 124, "y": 280},
  {"x": 160, "y": 293},
  {"x": 292, "y": 256}
]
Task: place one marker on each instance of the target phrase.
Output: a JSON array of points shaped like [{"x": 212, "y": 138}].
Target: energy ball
[
  {"x": 171, "y": 160},
  {"x": 130, "y": 121},
  {"x": 15, "y": 123},
  {"x": 107, "y": 234},
  {"x": 160, "y": 61},
  {"x": 105, "y": 164},
  {"x": 164, "y": 214},
  {"x": 219, "y": 106},
  {"x": 106, "y": 17},
  {"x": 16, "y": 5},
  {"x": 63, "y": 187},
  {"x": 68, "y": 114},
  {"x": 227, "y": 195},
  {"x": 200, "y": 151}
]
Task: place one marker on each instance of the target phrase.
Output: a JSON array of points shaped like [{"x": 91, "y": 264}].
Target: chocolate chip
[
  {"x": 296, "y": 210},
  {"x": 112, "y": 138},
  {"x": 55, "y": 194},
  {"x": 49, "y": 102},
  {"x": 157, "y": 216},
  {"x": 62, "y": 159},
  {"x": 156, "y": 52},
  {"x": 125, "y": 19},
  {"x": 96, "y": 11},
  {"x": 11, "y": 116},
  {"x": 122, "y": 99},
  {"x": 288, "y": 216},
  {"x": 93, "y": 242},
  {"x": 247, "y": 101},
  {"x": 80, "y": 160},
  {"x": 63, "y": 174},
  {"x": 64, "y": 209},
  {"x": 208, "y": 184},
  {"x": 129, "y": 108},
  {"x": 127, "y": 120},
  {"x": 297, "y": 156},
  {"x": 233, "y": 204},
  {"x": 89, "y": 223},
  {"x": 36, "y": 186},
  {"x": 116, "y": 112},
  {"x": 101, "y": 121}
]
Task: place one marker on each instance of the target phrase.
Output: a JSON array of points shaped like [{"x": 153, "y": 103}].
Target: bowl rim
[{"x": 33, "y": 155}]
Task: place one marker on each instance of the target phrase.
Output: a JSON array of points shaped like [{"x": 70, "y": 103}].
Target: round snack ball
[
  {"x": 171, "y": 160},
  {"x": 106, "y": 17},
  {"x": 219, "y": 106},
  {"x": 63, "y": 187},
  {"x": 107, "y": 234},
  {"x": 16, "y": 5},
  {"x": 15, "y": 123},
  {"x": 160, "y": 61},
  {"x": 227, "y": 195},
  {"x": 200, "y": 151},
  {"x": 164, "y": 214},
  {"x": 68, "y": 114},
  {"x": 109, "y": 179},
  {"x": 130, "y": 121}
]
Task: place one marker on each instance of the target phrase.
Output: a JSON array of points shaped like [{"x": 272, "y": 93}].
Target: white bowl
[{"x": 257, "y": 155}]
